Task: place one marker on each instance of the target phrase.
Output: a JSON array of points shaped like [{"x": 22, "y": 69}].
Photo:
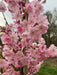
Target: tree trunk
[
  {"x": 21, "y": 71},
  {"x": 24, "y": 71}
]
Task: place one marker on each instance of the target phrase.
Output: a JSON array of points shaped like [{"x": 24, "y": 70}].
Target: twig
[{"x": 5, "y": 19}]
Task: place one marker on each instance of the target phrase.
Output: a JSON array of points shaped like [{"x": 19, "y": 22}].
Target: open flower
[{"x": 2, "y": 7}]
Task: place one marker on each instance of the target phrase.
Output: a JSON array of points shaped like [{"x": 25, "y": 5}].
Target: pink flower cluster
[{"x": 23, "y": 45}]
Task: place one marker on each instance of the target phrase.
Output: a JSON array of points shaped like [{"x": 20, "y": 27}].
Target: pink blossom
[
  {"x": 6, "y": 39},
  {"x": 2, "y": 7},
  {"x": 2, "y": 63},
  {"x": 52, "y": 51},
  {"x": 17, "y": 15},
  {"x": 12, "y": 6}
]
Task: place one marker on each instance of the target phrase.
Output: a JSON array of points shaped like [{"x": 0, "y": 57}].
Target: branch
[{"x": 5, "y": 19}]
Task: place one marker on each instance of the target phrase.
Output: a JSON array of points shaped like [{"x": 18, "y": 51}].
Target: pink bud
[
  {"x": 23, "y": 3},
  {"x": 39, "y": 0},
  {"x": 44, "y": 1},
  {"x": 5, "y": 0},
  {"x": 19, "y": 2}
]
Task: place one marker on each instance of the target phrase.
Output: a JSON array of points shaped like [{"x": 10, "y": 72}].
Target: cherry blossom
[{"x": 24, "y": 49}]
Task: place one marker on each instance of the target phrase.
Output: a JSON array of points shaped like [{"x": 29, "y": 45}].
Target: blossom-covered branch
[{"x": 24, "y": 49}]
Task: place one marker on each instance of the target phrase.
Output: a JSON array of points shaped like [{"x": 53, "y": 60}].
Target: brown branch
[{"x": 5, "y": 19}]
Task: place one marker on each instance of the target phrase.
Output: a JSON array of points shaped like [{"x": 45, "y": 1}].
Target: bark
[{"x": 24, "y": 70}]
